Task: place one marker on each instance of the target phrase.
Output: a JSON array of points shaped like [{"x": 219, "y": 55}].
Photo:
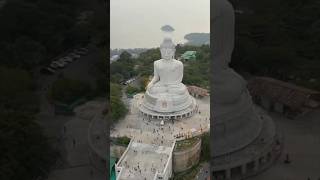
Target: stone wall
[
  {"x": 117, "y": 150},
  {"x": 97, "y": 161},
  {"x": 185, "y": 159}
]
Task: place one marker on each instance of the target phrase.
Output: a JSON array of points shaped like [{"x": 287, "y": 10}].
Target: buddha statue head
[{"x": 167, "y": 49}]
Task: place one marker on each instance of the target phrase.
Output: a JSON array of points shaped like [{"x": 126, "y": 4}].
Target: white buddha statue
[
  {"x": 235, "y": 122},
  {"x": 166, "y": 92}
]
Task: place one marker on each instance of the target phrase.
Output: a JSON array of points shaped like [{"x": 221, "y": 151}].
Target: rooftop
[{"x": 189, "y": 55}]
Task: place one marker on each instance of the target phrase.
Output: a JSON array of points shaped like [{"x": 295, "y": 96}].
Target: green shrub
[{"x": 68, "y": 90}]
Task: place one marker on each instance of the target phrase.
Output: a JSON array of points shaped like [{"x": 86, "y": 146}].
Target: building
[
  {"x": 114, "y": 58},
  {"x": 189, "y": 55},
  {"x": 283, "y": 97}
]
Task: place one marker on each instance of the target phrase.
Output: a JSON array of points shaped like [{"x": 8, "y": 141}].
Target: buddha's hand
[{"x": 149, "y": 86}]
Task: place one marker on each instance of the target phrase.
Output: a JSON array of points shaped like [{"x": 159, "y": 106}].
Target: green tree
[
  {"x": 68, "y": 90},
  {"x": 118, "y": 109},
  {"x": 25, "y": 151},
  {"x": 132, "y": 90}
]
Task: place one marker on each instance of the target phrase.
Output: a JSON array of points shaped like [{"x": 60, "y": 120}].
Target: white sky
[{"x": 137, "y": 23}]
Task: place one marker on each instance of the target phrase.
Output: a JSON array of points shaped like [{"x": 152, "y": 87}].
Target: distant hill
[
  {"x": 131, "y": 51},
  {"x": 197, "y": 39}
]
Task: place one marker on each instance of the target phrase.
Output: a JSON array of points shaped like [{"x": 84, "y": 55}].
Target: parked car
[
  {"x": 78, "y": 51},
  {"x": 47, "y": 70},
  {"x": 84, "y": 50},
  {"x": 66, "y": 59},
  {"x": 58, "y": 64},
  {"x": 65, "y": 63},
  {"x": 54, "y": 65},
  {"x": 74, "y": 55}
]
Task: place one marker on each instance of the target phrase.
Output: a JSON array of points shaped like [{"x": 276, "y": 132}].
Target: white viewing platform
[{"x": 143, "y": 161}]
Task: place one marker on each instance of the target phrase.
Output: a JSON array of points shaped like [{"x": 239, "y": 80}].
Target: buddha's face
[{"x": 167, "y": 53}]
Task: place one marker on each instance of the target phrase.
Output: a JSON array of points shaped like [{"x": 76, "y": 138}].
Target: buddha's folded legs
[{"x": 178, "y": 89}]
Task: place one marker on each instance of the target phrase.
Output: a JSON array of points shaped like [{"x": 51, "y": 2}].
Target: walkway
[{"x": 75, "y": 141}]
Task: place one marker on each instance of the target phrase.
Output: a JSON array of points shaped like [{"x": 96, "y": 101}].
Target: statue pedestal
[{"x": 150, "y": 113}]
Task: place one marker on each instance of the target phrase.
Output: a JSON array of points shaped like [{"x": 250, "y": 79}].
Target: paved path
[
  {"x": 75, "y": 140},
  {"x": 134, "y": 123}
]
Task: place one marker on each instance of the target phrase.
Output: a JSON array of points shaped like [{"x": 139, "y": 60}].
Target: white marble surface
[{"x": 166, "y": 93}]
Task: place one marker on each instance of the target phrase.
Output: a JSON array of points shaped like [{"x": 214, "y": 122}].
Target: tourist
[
  {"x": 287, "y": 160},
  {"x": 64, "y": 129},
  {"x": 91, "y": 172}
]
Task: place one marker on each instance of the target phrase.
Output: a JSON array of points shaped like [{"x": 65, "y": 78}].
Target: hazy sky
[{"x": 137, "y": 23}]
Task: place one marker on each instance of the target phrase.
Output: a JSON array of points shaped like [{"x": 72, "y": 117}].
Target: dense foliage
[
  {"x": 205, "y": 147},
  {"x": 118, "y": 109},
  {"x": 122, "y": 140},
  {"x": 101, "y": 74},
  {"x": 123, "y": 69},
  {"x": 130, "y": 90},
  {"x": 17, "y": 91},
  {"x": 196, "y": 72},
  {"x": 69, "y": 90},
  {"x": 25, "y": 152},
  {"x": 34, "y": 31},
  {"x": 279, "y": 39}
]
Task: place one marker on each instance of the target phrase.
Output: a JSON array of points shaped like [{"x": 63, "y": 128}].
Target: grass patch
[{"x": 124, "y": 141}]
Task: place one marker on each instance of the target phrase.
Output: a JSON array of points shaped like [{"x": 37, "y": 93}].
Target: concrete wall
[
  {"x": 185, "y": 159},
  {"x": 97, "y": 162},
  {"x": 167, "y": 172},
  {"x": 119, "y": 168}
]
